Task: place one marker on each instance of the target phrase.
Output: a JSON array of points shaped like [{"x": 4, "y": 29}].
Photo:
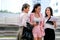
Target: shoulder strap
[{"x": 48, "y": 19}]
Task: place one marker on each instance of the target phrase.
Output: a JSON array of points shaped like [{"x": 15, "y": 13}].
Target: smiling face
[
  {"x": 38, "y": 9},
  {"x": 48, "y": 12}
]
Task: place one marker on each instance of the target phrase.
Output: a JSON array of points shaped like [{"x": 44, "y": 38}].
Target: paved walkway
[{"x": 57, "y": 38}]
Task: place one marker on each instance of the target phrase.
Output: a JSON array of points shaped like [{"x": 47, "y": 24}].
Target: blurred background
[{"x": 11, "y": 9}]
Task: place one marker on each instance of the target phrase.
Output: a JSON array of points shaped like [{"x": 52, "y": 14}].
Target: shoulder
[
  {"x": 21, "y": 15},
  {"x": 41, "y": 14},
  {"x": 53, "y": 18},
  {"x": 32, "y": 14}
]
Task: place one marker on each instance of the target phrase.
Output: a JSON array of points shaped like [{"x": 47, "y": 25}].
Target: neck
[
  {"x": 49, "y": 16},
  {"x": 36, "y": 13}
]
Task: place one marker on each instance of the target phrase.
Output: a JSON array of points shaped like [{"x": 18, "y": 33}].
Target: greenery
[
  {"x": 6, "y": 11},
  {"x": 3, "y": 11},
  {"x": 7, "y": 36}
]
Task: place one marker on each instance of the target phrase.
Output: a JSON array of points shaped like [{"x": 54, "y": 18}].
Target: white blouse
[
  {"x": 36, "y": 19},
  {"x": 48, "y": 25},
  {"x": 23, "y": 19}
]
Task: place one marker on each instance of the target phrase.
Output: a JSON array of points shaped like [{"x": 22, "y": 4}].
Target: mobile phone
[{"x": 37, "y": 22}]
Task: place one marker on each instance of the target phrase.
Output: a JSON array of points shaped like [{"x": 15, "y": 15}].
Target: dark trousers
[{"x": 49, "y": 34}]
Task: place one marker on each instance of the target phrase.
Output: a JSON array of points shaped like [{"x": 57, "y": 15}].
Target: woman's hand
[
  {"x": 35, "y": 24},
  {"x": 54, "y": 24}
]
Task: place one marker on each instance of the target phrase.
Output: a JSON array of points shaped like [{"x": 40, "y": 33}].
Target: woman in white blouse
[
  {"x": 50, "y": 24},
  {"x": 23, "y": 19}
]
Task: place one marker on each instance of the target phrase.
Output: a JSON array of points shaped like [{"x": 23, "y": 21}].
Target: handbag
[
  {"x": 29, "y": 26},
  {"x": 27, "y": 32}
]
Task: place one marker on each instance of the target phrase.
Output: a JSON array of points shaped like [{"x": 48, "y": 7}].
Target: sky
[
  {"x": 12, "y": 5},
  {"x": 16, "y": 5}
]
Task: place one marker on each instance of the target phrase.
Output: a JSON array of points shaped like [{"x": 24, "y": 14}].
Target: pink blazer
[{"x": 41, "y": 22}]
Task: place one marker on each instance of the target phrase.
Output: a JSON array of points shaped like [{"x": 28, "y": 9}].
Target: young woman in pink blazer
[{"x": 37, "y": 20}]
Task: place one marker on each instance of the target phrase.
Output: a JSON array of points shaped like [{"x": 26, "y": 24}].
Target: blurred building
[{"x": 55, "y": 5}]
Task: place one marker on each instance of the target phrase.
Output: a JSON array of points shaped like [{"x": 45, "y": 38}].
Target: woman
[
  {"x": 50, "y": 24},
  {"x": 36, "y": 19},
  {"x": 23, "y": 19}
]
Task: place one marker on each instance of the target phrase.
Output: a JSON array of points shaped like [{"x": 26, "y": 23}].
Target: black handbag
[
  {"x": 29, "y": 26},
  {"x": 27, "y": 32}
]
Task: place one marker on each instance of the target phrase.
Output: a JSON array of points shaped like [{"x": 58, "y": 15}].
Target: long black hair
[
  {"x": 35, "y": 6},
  {"x": 51, "y": 12}
]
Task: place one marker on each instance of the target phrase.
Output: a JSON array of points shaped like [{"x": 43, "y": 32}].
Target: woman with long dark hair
[
  {"x": 50, "y": 24},
  {"x": 37, "y": 20}
]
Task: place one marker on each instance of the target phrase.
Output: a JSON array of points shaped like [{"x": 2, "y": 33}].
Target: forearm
[{"x": 55, "y": 26}]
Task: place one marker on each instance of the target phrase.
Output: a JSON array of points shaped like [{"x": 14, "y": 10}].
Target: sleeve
[
  {"x": 23, "y": 20},
  {"x": 31, "y": 17},
  {"x": 53, "y": 19},
  {"x": 28, "y": 18},
  {"x": 42, "y": 21}
]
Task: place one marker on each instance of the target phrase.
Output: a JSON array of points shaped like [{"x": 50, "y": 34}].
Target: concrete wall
[{"x": 9, "y": 18}]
